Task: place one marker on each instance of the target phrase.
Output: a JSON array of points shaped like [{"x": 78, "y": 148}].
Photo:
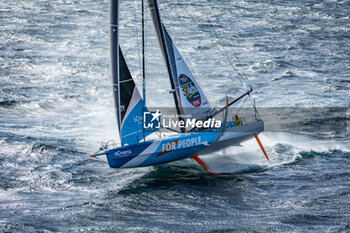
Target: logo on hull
[{"x": 180, "y": 144}]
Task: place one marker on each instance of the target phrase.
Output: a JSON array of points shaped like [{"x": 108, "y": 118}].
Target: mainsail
[
  {"x": 131, "y": 104},
  {"x": 188, "y": 96},
  {"x": 127, "y": 98}
]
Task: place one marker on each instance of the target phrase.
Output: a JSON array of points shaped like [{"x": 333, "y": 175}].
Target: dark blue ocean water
[{"x": 56, "y": 107}]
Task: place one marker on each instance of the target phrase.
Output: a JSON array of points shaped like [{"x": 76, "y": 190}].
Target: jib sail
[{"x": 188, "y": 96}]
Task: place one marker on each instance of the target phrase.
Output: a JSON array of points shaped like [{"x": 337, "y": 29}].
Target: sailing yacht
[{"x": 137, "y": 147}]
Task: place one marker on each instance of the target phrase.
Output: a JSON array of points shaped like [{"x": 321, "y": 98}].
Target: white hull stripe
[{"x": 135, "y": 162}]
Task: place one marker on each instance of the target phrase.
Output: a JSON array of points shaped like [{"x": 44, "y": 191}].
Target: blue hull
[{"x": 180, "y": 147}]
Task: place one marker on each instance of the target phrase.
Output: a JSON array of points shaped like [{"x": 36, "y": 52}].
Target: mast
[
  {"x": 128, "y": 101},
  {"x": 153, "y": 6},
  {"x": 114, "y": 50},
  {"x": 143, "y": 65}
]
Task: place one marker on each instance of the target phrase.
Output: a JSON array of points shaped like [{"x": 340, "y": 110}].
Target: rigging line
[
  {"x": 222, "y": 51},
  {"x": 227, "y": 39},
  {"x": 210, "y": 35},
  {"x": 240, "y": 76},
  {"x": 143, "y": 66},
  {"x": 229, "y": 58},
  {"x": 245, "y": 99},
  {"x": 145, "y": 36},
  {"x": 135, "y": 132},
  {"x": 137, "y": 36},
  {"x": 234, "y": 54}
]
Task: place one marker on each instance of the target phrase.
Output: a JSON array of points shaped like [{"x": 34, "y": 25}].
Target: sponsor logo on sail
[{"x": 190, "y": 90}]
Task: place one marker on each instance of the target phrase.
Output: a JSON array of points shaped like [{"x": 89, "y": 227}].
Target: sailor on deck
[{"x": 238, "y": 121}]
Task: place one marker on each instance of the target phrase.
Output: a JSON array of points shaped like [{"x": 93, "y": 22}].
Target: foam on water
[
  {"x": 56, "y": 107},
  {"x": 282, "y": 149}
]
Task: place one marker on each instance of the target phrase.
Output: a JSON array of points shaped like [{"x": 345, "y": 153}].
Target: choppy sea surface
[{"x": 56, "y": 107}]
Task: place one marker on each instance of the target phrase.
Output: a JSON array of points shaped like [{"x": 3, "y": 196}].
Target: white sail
[
  {"x": 189, "y": 99},
  {"x": 192, "y": 99}
]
